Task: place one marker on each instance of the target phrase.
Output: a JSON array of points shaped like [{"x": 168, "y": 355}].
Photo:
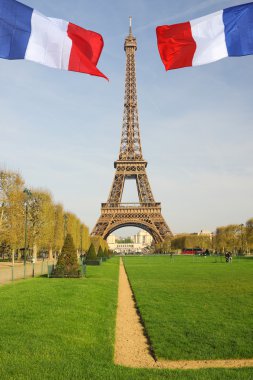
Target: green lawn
[
  {"x": 63, "y": 329},
  {"x": 195, "y": 308}
]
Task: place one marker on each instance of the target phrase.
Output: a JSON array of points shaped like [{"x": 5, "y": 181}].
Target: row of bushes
[
  {"x": 93, "y": 255},
  {"x": 67, "y": 263}
]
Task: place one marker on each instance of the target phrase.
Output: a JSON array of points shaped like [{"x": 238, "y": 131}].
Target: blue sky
[{"x": 62, "y": 130}]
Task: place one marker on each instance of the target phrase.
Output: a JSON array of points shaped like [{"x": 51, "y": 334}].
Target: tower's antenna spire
[{"x": 130, "y": 25}]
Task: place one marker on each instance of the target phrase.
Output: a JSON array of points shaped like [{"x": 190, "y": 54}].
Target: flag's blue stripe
[
  {"x": 238, "y": 22},
  {"x": 15, "y": 29}
]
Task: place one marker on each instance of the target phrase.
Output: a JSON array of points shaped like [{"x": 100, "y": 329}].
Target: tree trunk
[
  {"x": 1, "y": 218},
  {"x": 50, "y": 254},
  {"x": 35, "y": 251},
  {"x": 19, "y": 254},
  {"x": 13, "y": 257}
]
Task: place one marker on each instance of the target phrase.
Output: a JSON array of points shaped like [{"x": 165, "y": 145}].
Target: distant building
[
  {"x": 140, "y": 241},
  {"x": 143, "y": 238},
  {"x": 111, "y": 240},
  {"x": 201, "y": 233},
  {"x": 205, "y": 233}
]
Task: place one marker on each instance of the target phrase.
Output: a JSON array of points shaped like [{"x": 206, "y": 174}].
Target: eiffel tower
[{"x": 130, "y": 165}]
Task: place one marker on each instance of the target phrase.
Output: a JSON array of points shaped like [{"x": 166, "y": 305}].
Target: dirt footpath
[{"x": 131, "y": 345}]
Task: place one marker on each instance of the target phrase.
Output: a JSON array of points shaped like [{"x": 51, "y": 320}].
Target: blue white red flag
[
  {"x": 227, "y": 33},
  {"x": 27, "y": 34}
]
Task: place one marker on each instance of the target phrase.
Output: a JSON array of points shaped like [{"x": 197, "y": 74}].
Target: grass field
[
  {"x": 194, "y": 308},
  {"x": 63, "y": 329}
]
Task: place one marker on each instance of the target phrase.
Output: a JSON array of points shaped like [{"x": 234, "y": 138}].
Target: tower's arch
[{"x": 144, "y": 226}]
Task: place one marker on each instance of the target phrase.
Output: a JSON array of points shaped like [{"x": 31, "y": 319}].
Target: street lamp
[
  {"x": 212, "y": 241},
  {"x": 28, "y": 194},
  {"x": 241, "y": 225},
  {"x": 81, "y": 238},
  {"x": 65, "y": 225}
]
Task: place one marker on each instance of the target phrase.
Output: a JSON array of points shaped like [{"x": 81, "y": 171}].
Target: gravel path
[{"x": 131, "y": 345}]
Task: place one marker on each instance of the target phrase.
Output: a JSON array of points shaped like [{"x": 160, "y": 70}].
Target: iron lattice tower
[{"x": 130, "y": 165}]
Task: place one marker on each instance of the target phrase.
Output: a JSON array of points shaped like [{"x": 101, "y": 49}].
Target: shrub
[
  {"x": 67, "y": 264},
  {"x": 91, "y": 254},
  {"x": 100, "y": 252},
  {"x": 106, "y": 253}
]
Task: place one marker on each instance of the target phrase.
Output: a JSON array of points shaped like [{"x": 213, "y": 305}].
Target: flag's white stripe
[
  {"x": 208, "y": 32},
  {"x": 49, "y": 43}
]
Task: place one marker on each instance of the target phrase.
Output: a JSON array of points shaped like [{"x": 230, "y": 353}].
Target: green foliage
[
  {"x": 164, "y": 247},
  {"x": 85, "y": 237},
  {"x": 67, "y": 264},
  {"x": 191, "y": 241},
  {"x": 100, "y": 252},
  {"x": 91, "y": 254},
  {"x": 249, "y": 233},
  {"x": 98, "y": 241},
  {"x": 95, "y": 241},
  {"x": 11, "y": 209},
  {"x": 73, "y": 227},
  {"x": 58, "y": 235},
  {"x": 230, "y": 238},
  {"x": 40, "y": 219}
]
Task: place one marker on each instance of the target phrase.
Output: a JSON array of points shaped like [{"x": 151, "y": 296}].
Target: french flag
[
  {"x": 28, "y": 34},
  {"x": 227, "y": 33}
]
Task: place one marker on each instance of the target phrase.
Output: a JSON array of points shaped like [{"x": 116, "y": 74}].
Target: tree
[
  {"x": 229, "y": 238},
  {"x": 67, "y": 264},
  {"x": 41, "y": 219},
  {"x": 99, "y": 241},
  {"x": 191, "y": 241},
  {"x": 249, "y": 233},
  {"x": 91, "y": 255},
  {"x": 45, "y": 220},
  {"x": 58, "y": 238},
  {"x": 166, "y": 246},
  {"x": 11, "y": 208},
  {"x": 85, "y": 237},
  {"x": 79, "y": 231}
]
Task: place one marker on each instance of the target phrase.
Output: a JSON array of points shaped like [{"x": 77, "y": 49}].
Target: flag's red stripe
[
  {"x": 86, "y": 49},
  {"x": 176, "y": 45}
]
